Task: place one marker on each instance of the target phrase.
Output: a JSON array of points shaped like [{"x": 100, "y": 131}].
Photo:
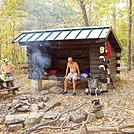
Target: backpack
[{"x": 94, "y": 86}]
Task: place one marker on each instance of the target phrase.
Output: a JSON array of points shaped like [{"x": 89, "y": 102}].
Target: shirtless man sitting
[{"x": 74, "y": 74}]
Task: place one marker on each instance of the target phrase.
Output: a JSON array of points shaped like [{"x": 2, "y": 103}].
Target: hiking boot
[
  {"x": 74, "y": 93},
  {"x": 64, "y": 92}
]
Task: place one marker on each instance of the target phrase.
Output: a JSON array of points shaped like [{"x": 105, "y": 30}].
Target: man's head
[
  {"x": 6, "y": 61},
  {"x": 70, "y": 59}
]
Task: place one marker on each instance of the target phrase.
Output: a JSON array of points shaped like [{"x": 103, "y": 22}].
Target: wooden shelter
[{"x": 48, "y": 50}]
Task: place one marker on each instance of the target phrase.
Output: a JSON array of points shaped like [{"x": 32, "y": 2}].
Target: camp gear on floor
[
  {"x": 94, "y": 86},
  {"x": 83, "y": 75}
]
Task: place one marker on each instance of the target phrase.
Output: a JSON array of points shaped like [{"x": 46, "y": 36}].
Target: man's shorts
[{"x": 72, "y": 76}]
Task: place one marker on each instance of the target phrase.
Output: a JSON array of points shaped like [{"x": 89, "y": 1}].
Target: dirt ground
[{"x": 118, "y": 103}]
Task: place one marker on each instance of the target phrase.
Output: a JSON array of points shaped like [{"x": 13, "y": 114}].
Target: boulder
[
  {"x": 63, "y": 120},
  {"x": 44, "y": 92},
  {"x": 1, "y": 119},
  {"x": 99, "y": 114},
  {"x": 34, "y": 107},
  {"x": 18, "y": 118},
  {"x": 15, "y": 127},
  {"x": 56, "y": 90},
  {"x": 91, "y": 118},
  {"x": 77, "y": 118},
  {"x": 50, "y": 115},
  {"x": 50, "y": 104},
  {"x": 2, "y": 128},
  {"x": 33, "y": 119},
  {"x": 25, "y": 108}
]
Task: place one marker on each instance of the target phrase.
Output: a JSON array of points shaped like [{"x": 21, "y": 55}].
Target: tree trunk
[
  {"x": 84, "y": 12},
  {"x": 114, "y": 17},
  {"x": 129, "y": 33}
]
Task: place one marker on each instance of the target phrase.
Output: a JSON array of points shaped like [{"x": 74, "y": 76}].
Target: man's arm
[
  {"x": 67, "y": 70},
  {"x": 78, "y": 70},
  {"x": 2, "y": 70},
  {"x": 12, "y": 67}
]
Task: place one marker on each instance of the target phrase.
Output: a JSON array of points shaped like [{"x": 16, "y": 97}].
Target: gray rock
[
  {"x": 45, "y": 98},
  {"x": 1, "y": 119},
  {"x": 99, "y": 114},
  {"x": 44, "y": 92},
  {"x": 24, "y": 108},
  {"x": 41, "y": 105},
  {"x": 50, "y": 104},
  {"x": 18, "y": 118},
  {"x": 34, "y": 107},
  {"x": 50, "y": 115},
  {"x": 63, "y": 120},
  {"x": 76, "y": 118},
  {"x": 2, "y": 128},
  {"x": 33, "y": 119},
  {"x": 91, "y": 118},
  {"x": 56, "y": 89},
  {"x": 15, "y": 127}
]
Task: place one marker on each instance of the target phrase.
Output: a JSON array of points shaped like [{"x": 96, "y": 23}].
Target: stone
[
  {"x": 18, "y": 118},
  {"x": 44, "y": 92},
  {"x": 1, "y": 119},
  {"x": 99, "y": 114},
  {"x": 34, "y": 107},
  {"x": 50, "y": 115},
  {"x": 91, "y": 118},
  {"x": 24, "y": 108},
  {"x": 45, "y": 98},
  {"x": 2, "y": 128},
  {"x": 63, "y": 120},
  {"x": 41, "y": 105},
  {"x": 15, "y": 127},
  {"x": 56, "y": 89},
  {"x": 77, "y": 118},
  {"x": 51, "y": 104},
  {"x": 33, "y": 119}
]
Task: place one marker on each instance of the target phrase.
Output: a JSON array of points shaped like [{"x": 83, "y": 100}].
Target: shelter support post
[{"x": 39, "y": 84}]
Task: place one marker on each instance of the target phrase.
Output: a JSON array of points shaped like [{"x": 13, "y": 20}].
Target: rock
[
  {"x": 2, "y": 128},
  {"x": 63, "y": 120},
  {"x": 50, "y": 115},
  {"x": 1, "y": 119},
  {"x": 91, "y": 118},
  {"x": 76, "y": 118},
  {"x": 34, "y": 108},
  {"x": 33, "y": 119},
  {"x": 18, "y": 118},
  {"x": 45, "y": 98},
  {"x": 97, "y": 107},
  {"x": 41, "y": 105},
  {"x": 99, "y": 114},
  {"x": 50, "y": 104},
  {"x": 44, "y": 92},
  {"x": 23, "y": 97},
  {"x": 56, "y": 89},
  {"x": 24, "y": 108},
  {"x": 15, "y": 127}
]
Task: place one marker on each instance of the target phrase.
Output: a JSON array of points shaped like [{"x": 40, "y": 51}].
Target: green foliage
[{"x": 20, "y": 15}]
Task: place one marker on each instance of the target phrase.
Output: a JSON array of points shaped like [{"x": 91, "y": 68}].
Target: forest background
[{"x": 24, "y": 15}]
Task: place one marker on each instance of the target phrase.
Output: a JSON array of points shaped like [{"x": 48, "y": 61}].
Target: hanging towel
[{"x": 108, "y": 48}]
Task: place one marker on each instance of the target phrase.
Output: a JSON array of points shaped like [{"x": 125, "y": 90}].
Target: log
[{"x": 105, "y": 129}]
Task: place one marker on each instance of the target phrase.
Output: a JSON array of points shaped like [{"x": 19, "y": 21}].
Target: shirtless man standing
[{"x": 74, "y": 74}]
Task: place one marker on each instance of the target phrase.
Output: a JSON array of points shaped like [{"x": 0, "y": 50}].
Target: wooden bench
[{"x": 8, "y": 87}]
